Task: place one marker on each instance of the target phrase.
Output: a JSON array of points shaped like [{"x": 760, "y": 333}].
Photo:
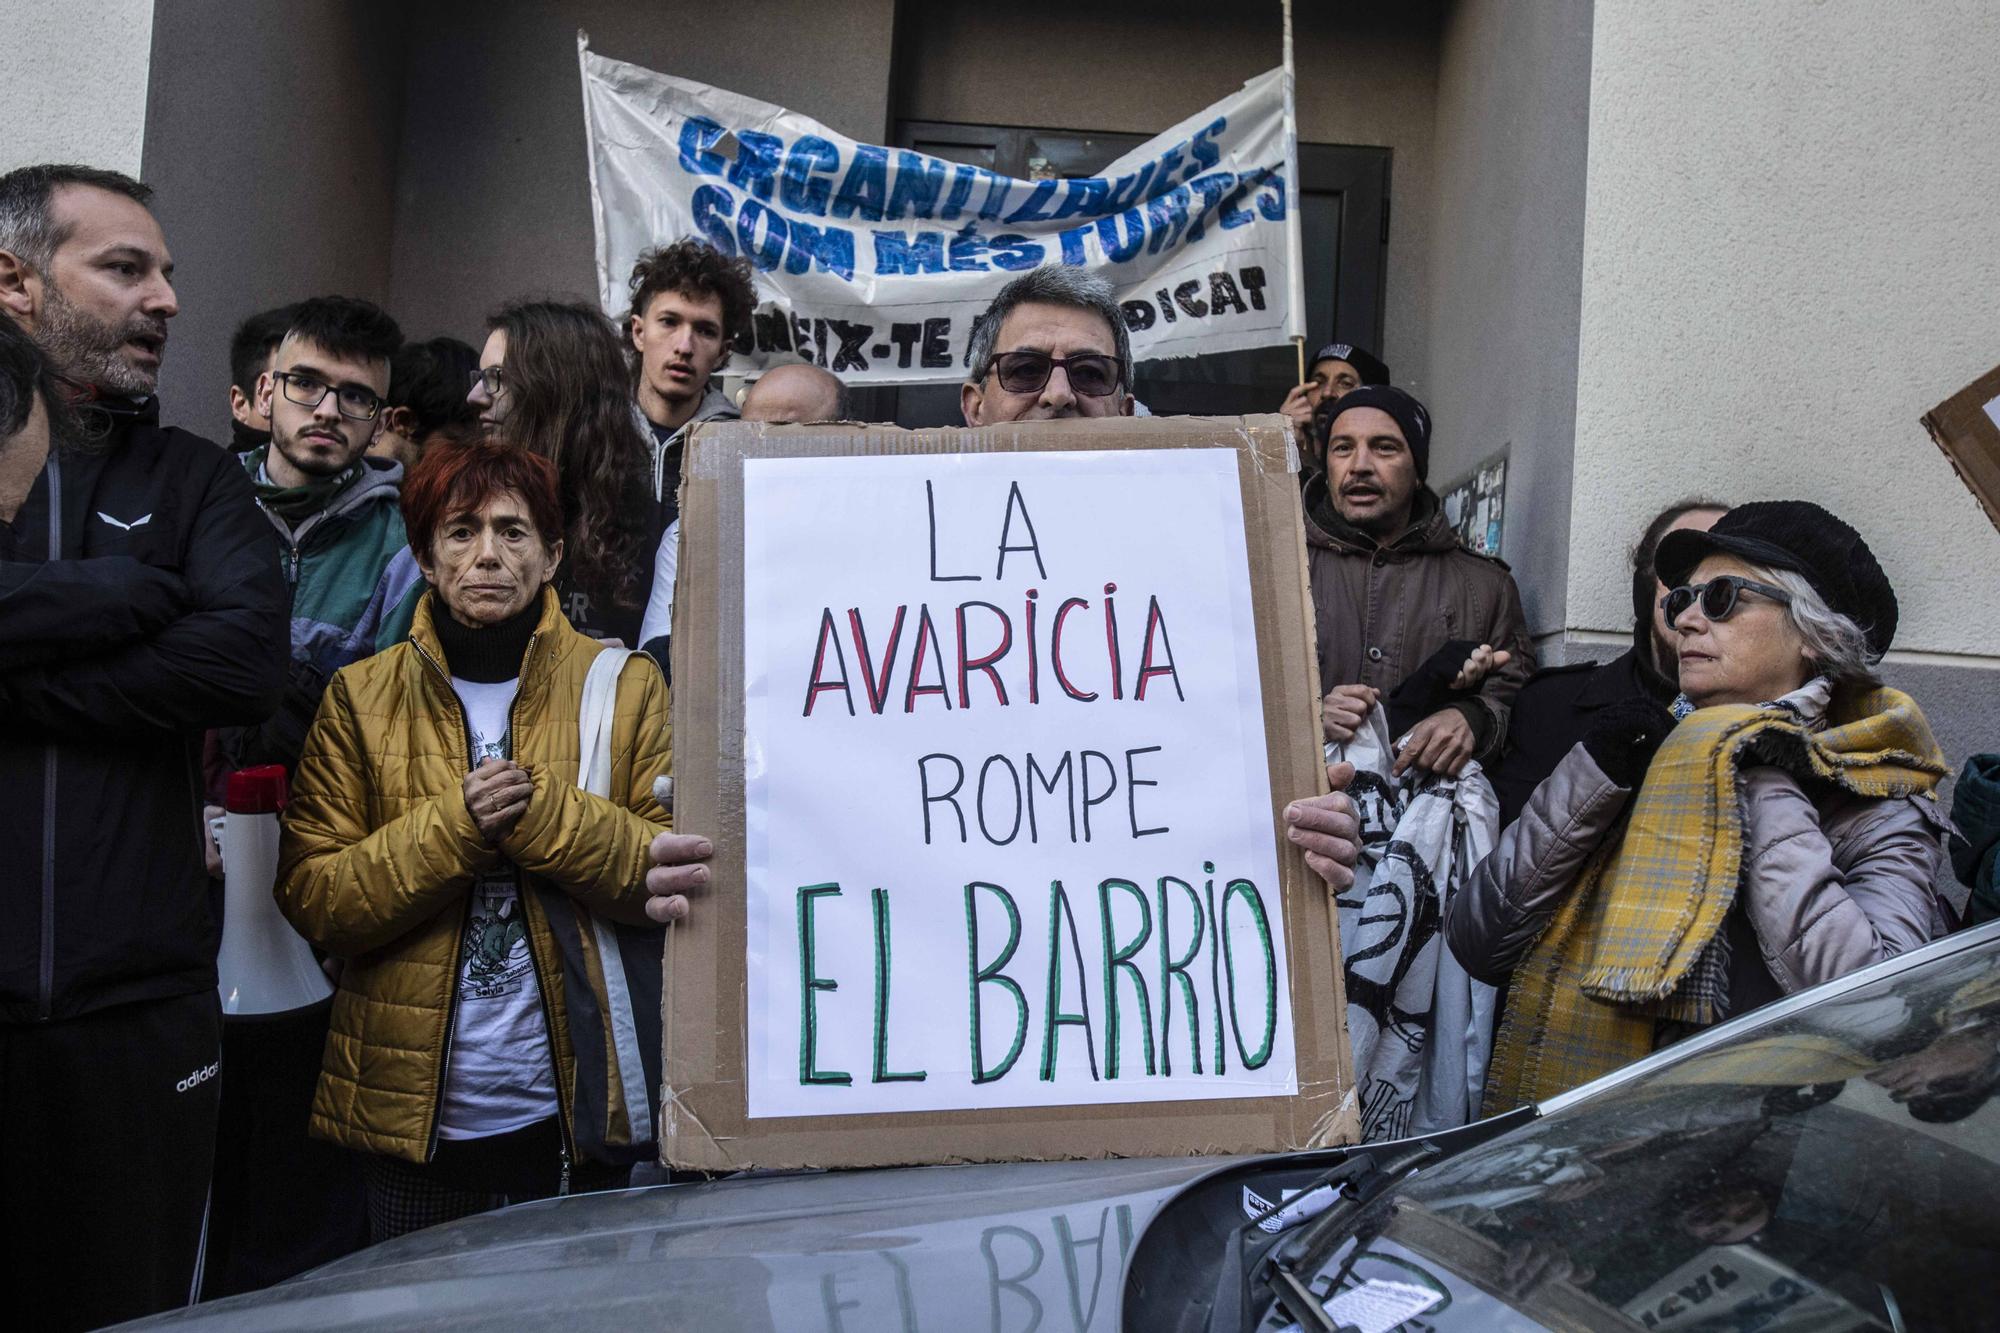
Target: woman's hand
[
  {"x": 1624, "y": 736},
  {"x": 496, "y": 796},
  {"x": 1484, "y": 661}
]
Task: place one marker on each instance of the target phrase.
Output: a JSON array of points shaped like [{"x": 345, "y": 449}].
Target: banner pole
[{"x": 1294, "y": 232}]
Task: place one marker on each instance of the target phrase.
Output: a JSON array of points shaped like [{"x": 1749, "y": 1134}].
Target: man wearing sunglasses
[{"x": 1052, "y": 345}]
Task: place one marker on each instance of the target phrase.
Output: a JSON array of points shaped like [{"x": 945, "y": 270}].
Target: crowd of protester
[{"x": 416, "y": 567}]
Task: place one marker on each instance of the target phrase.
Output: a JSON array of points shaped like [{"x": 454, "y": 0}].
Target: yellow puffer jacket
[{"x": 379, "y": 853}]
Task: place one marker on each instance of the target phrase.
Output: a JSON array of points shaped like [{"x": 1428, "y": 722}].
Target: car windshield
[{"x": 1834, "y": 1169}]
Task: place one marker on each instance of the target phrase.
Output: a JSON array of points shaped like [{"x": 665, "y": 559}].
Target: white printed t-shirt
[{"x": 500, "y": 1075}]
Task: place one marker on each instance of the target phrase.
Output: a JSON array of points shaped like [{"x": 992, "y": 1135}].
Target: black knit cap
[
  {"x": 1409, "y": 414},
  {"x": 1802, "y": 537},
  {"x": 1371, "y": 369}
]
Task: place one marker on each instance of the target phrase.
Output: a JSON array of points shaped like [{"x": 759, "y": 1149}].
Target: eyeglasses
[
  {"x": 351, "y": 400},
  {"x": 1091, "y": 374},
  {"x": 1718, "y": 597},
  {"x": 489, "y": 379}
]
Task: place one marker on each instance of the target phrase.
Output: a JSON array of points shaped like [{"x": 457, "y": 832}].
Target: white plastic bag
[{"x": 1420, "y": 1028}]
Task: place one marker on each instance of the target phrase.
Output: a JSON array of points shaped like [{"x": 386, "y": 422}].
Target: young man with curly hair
[{"x": 689, "y": 304}]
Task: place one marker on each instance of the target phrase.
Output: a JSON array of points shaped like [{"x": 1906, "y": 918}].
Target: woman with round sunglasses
[{"x": 1782, "y": 833}]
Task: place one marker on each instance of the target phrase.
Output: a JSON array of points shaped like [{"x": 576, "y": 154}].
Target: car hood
[{"x": 943, "y": 1247}]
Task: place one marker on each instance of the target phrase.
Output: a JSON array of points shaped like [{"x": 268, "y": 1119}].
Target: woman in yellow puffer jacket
[{"x": 495, "y": 1035}]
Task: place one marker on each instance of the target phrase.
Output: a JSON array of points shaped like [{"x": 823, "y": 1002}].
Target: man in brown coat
[{"x": 1392, "y": 588}]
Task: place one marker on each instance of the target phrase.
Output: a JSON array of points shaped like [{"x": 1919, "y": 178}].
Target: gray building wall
[
  {"x": 491, "y": 189},
  {"x": 1768, "y": 208},
  {"x": 1511, "y": 150},
  {"x": 271, "y": 138},
  {"x": 1367, "y": 74}
]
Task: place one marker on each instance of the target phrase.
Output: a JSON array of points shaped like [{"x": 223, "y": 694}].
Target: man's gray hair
[
  {"x": 28, "y": 229},
  {"x": 1837, "y": 645},
  {"x": 1051, "y": 284}
]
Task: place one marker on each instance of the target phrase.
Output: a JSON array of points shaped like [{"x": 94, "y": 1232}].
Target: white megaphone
[{"x": 264, "y": 967}]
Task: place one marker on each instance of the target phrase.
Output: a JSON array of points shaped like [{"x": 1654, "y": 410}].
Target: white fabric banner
[{"x": 873, "y": 262}]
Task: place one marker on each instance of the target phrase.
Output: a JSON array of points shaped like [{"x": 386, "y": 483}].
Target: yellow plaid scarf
[{"x": 1655, "y": 894}]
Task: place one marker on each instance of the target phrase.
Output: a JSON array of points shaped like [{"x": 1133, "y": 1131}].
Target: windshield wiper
[{"x": 1319, "y": 1218}]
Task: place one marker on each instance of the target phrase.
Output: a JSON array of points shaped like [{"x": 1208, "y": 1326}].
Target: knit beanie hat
[
  {"x": 1409, "y": 414},
  {"x": 1802, "y": 537}
]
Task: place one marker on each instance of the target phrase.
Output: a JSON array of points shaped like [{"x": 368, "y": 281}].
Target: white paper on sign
[
  {"x": 1377, "y": 1306},
  {"x": 1009, "y": 772},
  {"x": 1993, "y": 410}
]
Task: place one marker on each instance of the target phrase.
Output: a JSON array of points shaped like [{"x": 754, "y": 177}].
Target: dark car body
[{"x": 1829, "y": 1161}]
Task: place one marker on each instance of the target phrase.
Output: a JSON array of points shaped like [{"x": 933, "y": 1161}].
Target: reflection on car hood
[{"x": 941, "y": 1247}]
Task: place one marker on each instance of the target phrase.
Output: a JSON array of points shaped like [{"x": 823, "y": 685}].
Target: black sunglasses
[
  {"x": 1091, "y": 374},
  {"x": 1718, "y": 597}
]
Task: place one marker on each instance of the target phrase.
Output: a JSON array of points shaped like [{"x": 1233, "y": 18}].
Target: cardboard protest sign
[
  {"x": 993, "y": 731},
  {"x": 873, "y": 261},
  {"x": 1967, "y": 427}
]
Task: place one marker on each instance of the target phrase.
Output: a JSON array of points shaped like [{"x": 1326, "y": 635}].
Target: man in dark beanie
[
  {"x": 1337, "y": 369},
  {"x": 1394, "y": 589}
]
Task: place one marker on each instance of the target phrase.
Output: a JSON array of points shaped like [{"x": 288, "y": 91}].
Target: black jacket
[
  {"x": 139, "y": 605},
  {"x": 1551, "y": 714}
]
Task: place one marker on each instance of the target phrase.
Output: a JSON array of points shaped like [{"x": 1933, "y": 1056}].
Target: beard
[
  {"x": 294, "y": 449},
  {"x": 90, "y": 351}
]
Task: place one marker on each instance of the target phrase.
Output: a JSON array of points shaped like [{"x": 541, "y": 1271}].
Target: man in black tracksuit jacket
[{"x": 139, "y": 605}]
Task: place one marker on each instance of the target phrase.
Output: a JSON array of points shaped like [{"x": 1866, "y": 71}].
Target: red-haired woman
[{"x": 496, "y": 1031}]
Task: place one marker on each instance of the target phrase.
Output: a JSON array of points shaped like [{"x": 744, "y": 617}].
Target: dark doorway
[{"x": 1345, "y": 220}]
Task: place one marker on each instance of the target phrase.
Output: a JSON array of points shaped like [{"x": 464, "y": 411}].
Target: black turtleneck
[
  {"x": 490, "y": 654},
  {"x": 242, "y": 438}
]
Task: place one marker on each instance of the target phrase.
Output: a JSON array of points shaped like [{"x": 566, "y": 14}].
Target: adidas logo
[{"x": 198, "y": 1077}]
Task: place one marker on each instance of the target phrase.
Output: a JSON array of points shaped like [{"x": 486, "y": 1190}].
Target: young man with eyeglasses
[
  {"x": 331, "y": 508},
  {"x": 139, "y": 606},
  {"x": 1053, "y": 344},
  {"x": 283, "y": 1203}
]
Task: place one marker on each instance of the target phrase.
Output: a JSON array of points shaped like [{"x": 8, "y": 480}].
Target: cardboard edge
[{"x": 1970, "y": 440}]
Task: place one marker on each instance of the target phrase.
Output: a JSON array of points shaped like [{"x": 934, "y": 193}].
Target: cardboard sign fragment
[{"x": 1967, "y": 427}]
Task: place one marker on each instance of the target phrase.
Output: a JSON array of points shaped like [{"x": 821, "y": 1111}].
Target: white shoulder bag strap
[{"x": 593, "y": 774}]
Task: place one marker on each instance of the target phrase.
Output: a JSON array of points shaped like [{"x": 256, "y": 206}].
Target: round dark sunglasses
[
  {"x": 1091, "y": 374},
  {"x": 1718, "y": 597}
]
